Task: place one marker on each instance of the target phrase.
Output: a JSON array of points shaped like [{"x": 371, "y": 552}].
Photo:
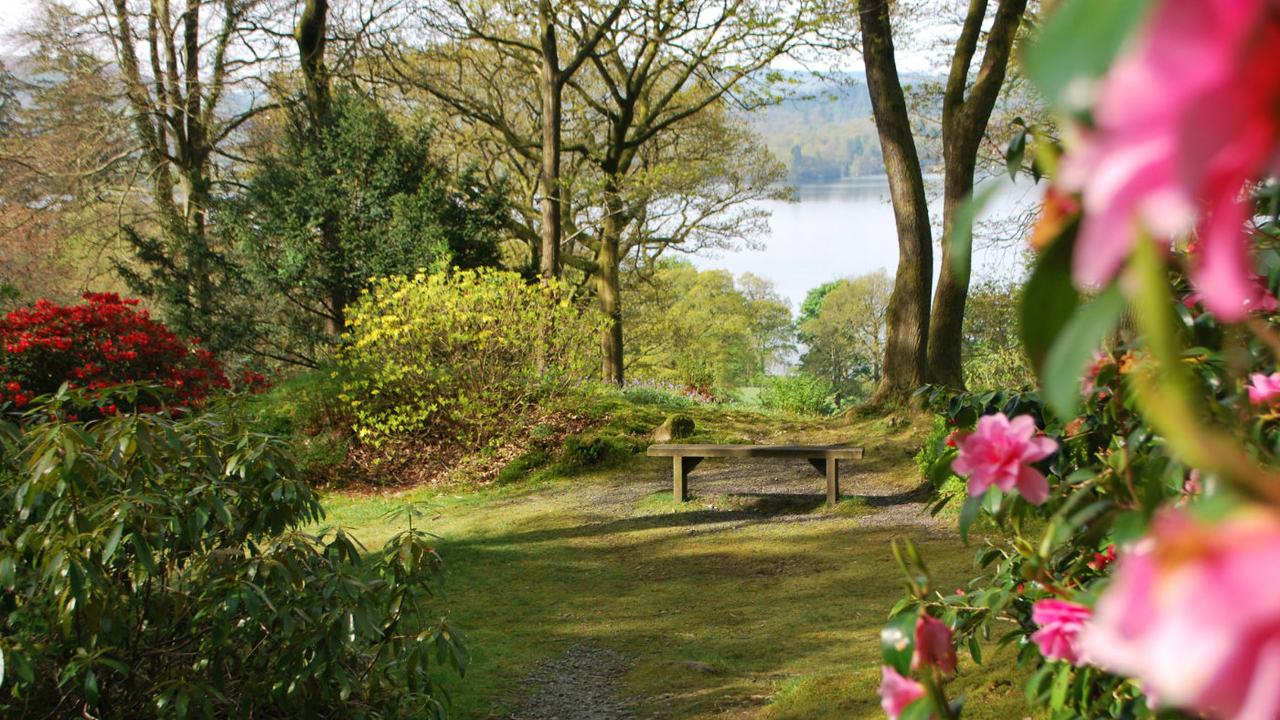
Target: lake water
[{"x": 846, "y": 228}]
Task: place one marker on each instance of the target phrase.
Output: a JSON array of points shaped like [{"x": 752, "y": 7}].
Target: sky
[{"x": 13, "y": 13}]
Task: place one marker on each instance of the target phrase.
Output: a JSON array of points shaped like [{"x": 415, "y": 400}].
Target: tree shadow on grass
[
  {"x": 742, "y": 507},
  {"x": 918, "y": 494}
]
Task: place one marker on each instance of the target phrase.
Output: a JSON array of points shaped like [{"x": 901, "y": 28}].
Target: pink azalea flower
[
  {"x": 1263, "y": 389},
  {"x": 1000, "y": 452},
  {"x": 934, "y": 646},
  {"x": 1183, "y": 121},
  {"x": 1061, "y": 623},
  {"x": 1193, "y": 612},
  {"x": 1193, "y": 484},
  {"x": 897, "y": 692}
]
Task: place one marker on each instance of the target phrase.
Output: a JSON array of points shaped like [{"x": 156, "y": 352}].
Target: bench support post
[
  {"x": 833, "y": 482},
  {"x": 680, "y": 468},
  {"x": 830, "y": 467}
]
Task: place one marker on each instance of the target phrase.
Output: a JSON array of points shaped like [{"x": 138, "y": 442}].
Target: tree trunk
[
  {"x": 609, "y": 288},
  {"x": 964, "y": 124},
  {"x": 946, "y": 326},
  {"x": 551, "y": 86},
  {"x": 310, "y": 38},
  {"x": 907, "y": 322}
]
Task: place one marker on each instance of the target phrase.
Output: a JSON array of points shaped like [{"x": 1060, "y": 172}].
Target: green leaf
[
  {"x": 921, "y": 709},
  {"x": 1048, "y": 300},
  {"x": 1075, "y": 345},
  {"x": 1061, "y": 683},
  {"x": 1077, "y": 43},
  {"x": 113, "y": 541},
  {"x": 8, "y": 569},
  {"x": 1014, "y": 153},
  {"x": 898, "y": 641},
  {"x": 91, "y": 687},
  {"x": 962, "y": 231},
  {"x": 143, "y": 550}
]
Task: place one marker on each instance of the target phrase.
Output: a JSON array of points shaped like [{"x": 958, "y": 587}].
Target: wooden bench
[{"x": 824, "y": 458}]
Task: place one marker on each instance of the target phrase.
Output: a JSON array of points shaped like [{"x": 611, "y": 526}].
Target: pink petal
[
  {"x": 1225, "y": 275},
  {"x": 1033, "y": 485}
]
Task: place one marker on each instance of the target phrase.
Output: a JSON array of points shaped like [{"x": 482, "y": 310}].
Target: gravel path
[{"x": 583, "y": 683}]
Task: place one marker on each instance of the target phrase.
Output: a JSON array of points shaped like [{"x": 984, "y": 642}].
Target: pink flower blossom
[
  {"x": 934, "y": 645},
  {"x": 1263, "y": 389},
  {"x": 1088, "y": 384},
  {"x": 1000, "y": 452},
  {"x": 1193, "y": 612},
  {"x": 897, "y": 692},
  {"x": 1061, "y": 623},
  {"x": 1193, "y": 485},
  {"x": 1183, "y": 121}
]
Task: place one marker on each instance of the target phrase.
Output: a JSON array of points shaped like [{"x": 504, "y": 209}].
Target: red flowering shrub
[{"x": 102, "y": 342}]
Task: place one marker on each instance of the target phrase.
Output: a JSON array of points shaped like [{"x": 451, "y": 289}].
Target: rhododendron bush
[
  {"x": 103, "y": 342},
  {"x": 1131, "y": 506}
]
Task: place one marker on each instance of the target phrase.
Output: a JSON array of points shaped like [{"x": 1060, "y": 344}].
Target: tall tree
[
  {"x": 558, "y": 41},
  {"x": 967, "y": 104},
  {"x": 67, "y": 161},
  {"x": 907, "y": 316},
  {"x": 311, "y": 41},
  {"x": 176, "y": 91},
  {"x": 924, "y": 347},
  {"x": 667, "y": 65},
  {"x": 330, "y": 206}
]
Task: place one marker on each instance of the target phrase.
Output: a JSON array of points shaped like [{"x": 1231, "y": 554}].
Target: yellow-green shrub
[{"x": 461, "y": 353}]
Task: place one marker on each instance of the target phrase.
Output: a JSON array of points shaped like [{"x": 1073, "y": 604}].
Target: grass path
[{"x": 751, "y": 600}]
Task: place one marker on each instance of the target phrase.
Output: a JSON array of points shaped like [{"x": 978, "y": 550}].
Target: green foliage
[
  {"x": 655, "y": 395},
  {"x": 845, "y": 336},
  {"x": 458, "y": 355},
  {"x": 157, "y": 567},
  {"x": 523, "y": 465},
  {"x": 705, "y": 330},
  {"x": 594, "y": 451},
  {"x": 306, "y": 411},
  {"x": 359, "y": 197},
  {"x": 992, "y": 354},
  {"x": 812, "y": 305},
  {"x": 934, "y": 448},
  {"x": 799, "y": 394}
]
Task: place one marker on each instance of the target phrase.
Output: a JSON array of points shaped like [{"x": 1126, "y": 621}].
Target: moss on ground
[{"x": 778, "y": 605}]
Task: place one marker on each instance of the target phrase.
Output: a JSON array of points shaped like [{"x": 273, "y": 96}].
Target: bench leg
[
  {"x": 680, "y": 469},
  {"x": 833, "y": 482},
  {"x": 831, "y": 469}
]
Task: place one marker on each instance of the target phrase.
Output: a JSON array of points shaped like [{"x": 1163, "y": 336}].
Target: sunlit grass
[{"x": 779, "y": 608}]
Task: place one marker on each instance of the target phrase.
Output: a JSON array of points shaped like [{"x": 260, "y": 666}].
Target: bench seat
[{"x": 824, "y": 458}]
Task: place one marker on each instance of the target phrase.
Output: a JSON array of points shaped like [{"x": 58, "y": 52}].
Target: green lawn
[{"x": 741, "y": 603}]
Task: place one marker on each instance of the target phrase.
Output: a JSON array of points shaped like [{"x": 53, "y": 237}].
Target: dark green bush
[
  {"x": 585, "y": 452},
  {"x": 306, "y": 411},
  {"x": 153, "y": 566},
  {"x": 523, "y": 465}
]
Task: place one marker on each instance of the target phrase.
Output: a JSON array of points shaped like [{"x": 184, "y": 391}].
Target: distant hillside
[{"x": 824, "y": 131}]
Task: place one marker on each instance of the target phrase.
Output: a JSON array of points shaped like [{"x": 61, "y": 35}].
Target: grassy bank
[{"x": 752, "y": 600}]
